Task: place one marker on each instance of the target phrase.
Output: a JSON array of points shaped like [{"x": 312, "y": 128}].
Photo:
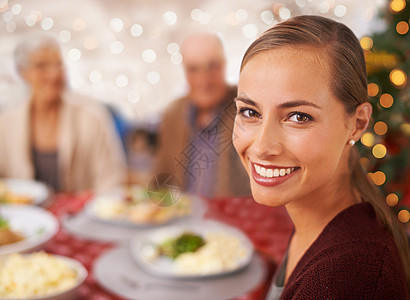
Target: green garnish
[{"x": 186, "y": 242}]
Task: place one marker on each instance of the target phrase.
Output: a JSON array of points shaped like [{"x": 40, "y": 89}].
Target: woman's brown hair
[{"x": 348, "y": 81}]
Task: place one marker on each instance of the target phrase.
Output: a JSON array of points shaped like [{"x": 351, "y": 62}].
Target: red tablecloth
[{"x": 268, "y": 228}]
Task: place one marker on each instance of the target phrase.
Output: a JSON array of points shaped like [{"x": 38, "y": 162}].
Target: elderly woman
[
  {"x": 62, "y": 139},
  {"x": 301, "y": 106}
]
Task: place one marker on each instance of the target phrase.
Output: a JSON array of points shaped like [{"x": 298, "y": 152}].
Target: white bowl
[{"x": 69, "y": 294}]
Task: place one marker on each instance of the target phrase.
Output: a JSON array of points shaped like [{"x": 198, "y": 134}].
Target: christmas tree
[{"x": 386, "y": 144}]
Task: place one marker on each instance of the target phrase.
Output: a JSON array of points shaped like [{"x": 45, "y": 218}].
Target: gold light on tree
[
  {"x": 402, "y": 27},
  {"x": 372, "y": 89},
  {"x": 404, "y": 216},
  {"x": 380, "y": 128},
  {"x": 379, "y": 151},
  {"x": 398, "y": 78},
  {"x": 368, "y": 139},
  {"x": 392, "y": 199},
  {"x": 386, "y": 100},
  {"x": 397, "y": 6}
]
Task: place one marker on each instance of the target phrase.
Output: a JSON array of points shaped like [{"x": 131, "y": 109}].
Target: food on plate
[
  {"x": 186, "y": 242},
  {"x": 222, "y": 252},
  {"x": 141, "y": 206},
  {"x": 7, "y": 196},
  {"x": 8, "y": 236},
  {"x": 214, "y": 252},
  {"x": 34, "y": 275}
]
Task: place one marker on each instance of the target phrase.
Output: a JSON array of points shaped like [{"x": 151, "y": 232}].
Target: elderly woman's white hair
[{"x": 31, "y": 44}]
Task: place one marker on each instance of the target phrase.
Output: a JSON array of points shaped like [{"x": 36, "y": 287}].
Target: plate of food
[
  {"x": 139, "y": 207},
  {"x": 24, "y": 228},
  {"x": 40, "y": 276},
  {"x": 23, "y": 191},
  {"x": 192, "y": 250}
]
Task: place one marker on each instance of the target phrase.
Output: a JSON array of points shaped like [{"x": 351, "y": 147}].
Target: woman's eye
[
  {"x": 249, "y": 113},
  {"x": 299, "y": 117}
]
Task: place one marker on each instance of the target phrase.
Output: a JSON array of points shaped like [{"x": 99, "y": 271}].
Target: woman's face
[
  {"x": 45, "y": 74},
  {"x": 290, "y": 132}
]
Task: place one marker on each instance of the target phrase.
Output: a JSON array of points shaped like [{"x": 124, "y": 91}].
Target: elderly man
[{"x": 195, "y": 137}]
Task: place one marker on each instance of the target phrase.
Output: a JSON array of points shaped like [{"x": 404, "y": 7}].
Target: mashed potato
[
  {"x": 222, "y": 252},
  {"x": 37, "y": 274}
]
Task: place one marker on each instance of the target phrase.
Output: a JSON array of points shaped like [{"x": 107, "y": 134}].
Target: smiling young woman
[{"x": 301, "y": 105}]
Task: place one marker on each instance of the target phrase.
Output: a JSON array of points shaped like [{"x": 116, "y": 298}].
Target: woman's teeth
[{"x": 269, "y": 173}]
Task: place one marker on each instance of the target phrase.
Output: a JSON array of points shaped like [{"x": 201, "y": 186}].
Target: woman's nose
[{"x": 268, "y": 141}]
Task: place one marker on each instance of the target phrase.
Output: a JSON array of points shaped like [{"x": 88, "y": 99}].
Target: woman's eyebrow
[
  {"x": 246, "y": 100},
  {"x": 296, "y": 103}
]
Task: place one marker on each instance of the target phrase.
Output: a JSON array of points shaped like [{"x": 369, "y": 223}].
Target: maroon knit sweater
[{"x": 353, "y": 258}]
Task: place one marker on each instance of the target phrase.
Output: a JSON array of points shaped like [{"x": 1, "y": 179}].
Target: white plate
[
  {"x": 36, "y": 190},
  {"x": 164, "y": 266},
  {"x": 116, "y": 271},
  {"x": 198, "y": 208},
  {"x": 71, "y": 293},
  {"x": 36, "y": 224}
]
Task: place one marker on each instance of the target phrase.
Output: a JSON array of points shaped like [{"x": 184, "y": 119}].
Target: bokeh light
[
  {"x": 47, "y": 23},
  {"x": 397, "y": 6},
  {"x": 368, "y": 139},
  {"x": 386, "y": 100},
  {"x": 392, "y": 199},
  {"x": 7, "y": 16},
  {"x": 136, "y": 30},
  {"x": 116, "y": 24},
  {"x": 134, "y": 96},
  {"x": 172, "y": 48},
  {"x": 79, "y": 25},
  {"x": 398, "y": 78},
  {"x": 250, "y": 31},
  {"x": 121, "y": 80},
  {"x": 153, "y": 77},
  {"x": 267, "y": 17},
  {"x": 95, "y": 76},
  {"x": 149, "y": 56},
  {"x": 241, "y": 14},
  {"x": 379, "y": 178},
  {"x": 405, "y": 128},
  {"x": 74, "y": 54},
  {"x": 284, "y": 13},
  {"x": 372, "y": 89},
  {"x": 31, "y": 20},
  {"x": 170, "y": 18},
  {"x": 404, "y": 216},
  {"x": 366, "y": 43},
  {"x": 402, "y": 27},
  {"x": 176, "y": 58},
  {"x": 380, "y": 128},
  {"x": 340, "y": 11},
  {"x": 64, "y": 36},
  {"x": 379, "y": 151},
  {"x": 116, "y": 47},
  {"x": 90, "y": 43},
  {"x": 16, "y": 9}
]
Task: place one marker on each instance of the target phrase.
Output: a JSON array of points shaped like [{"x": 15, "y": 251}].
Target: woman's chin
[{"x": 268, "y": 200}]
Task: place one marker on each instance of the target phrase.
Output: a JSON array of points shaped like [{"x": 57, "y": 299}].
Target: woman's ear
[{"x": 361, "y": 120}]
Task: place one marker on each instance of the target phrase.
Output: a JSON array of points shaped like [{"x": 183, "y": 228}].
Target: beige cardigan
[
  {"x": 89, "y": 152},
  {"x": 175, "y": 136}
]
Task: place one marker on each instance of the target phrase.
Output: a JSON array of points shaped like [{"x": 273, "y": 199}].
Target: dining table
[{"x": 268, "y": 229}]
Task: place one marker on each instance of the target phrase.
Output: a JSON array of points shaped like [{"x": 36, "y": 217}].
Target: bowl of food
[
  {"x": 40, "y": 276},
  {"x": 198, "y": 249}
]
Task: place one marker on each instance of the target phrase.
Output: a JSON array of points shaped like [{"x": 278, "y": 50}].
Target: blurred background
[{"x": 126, "y": 54}]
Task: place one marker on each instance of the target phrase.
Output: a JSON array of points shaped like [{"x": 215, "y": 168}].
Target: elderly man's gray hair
[{"x": 31, "y": 44}]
